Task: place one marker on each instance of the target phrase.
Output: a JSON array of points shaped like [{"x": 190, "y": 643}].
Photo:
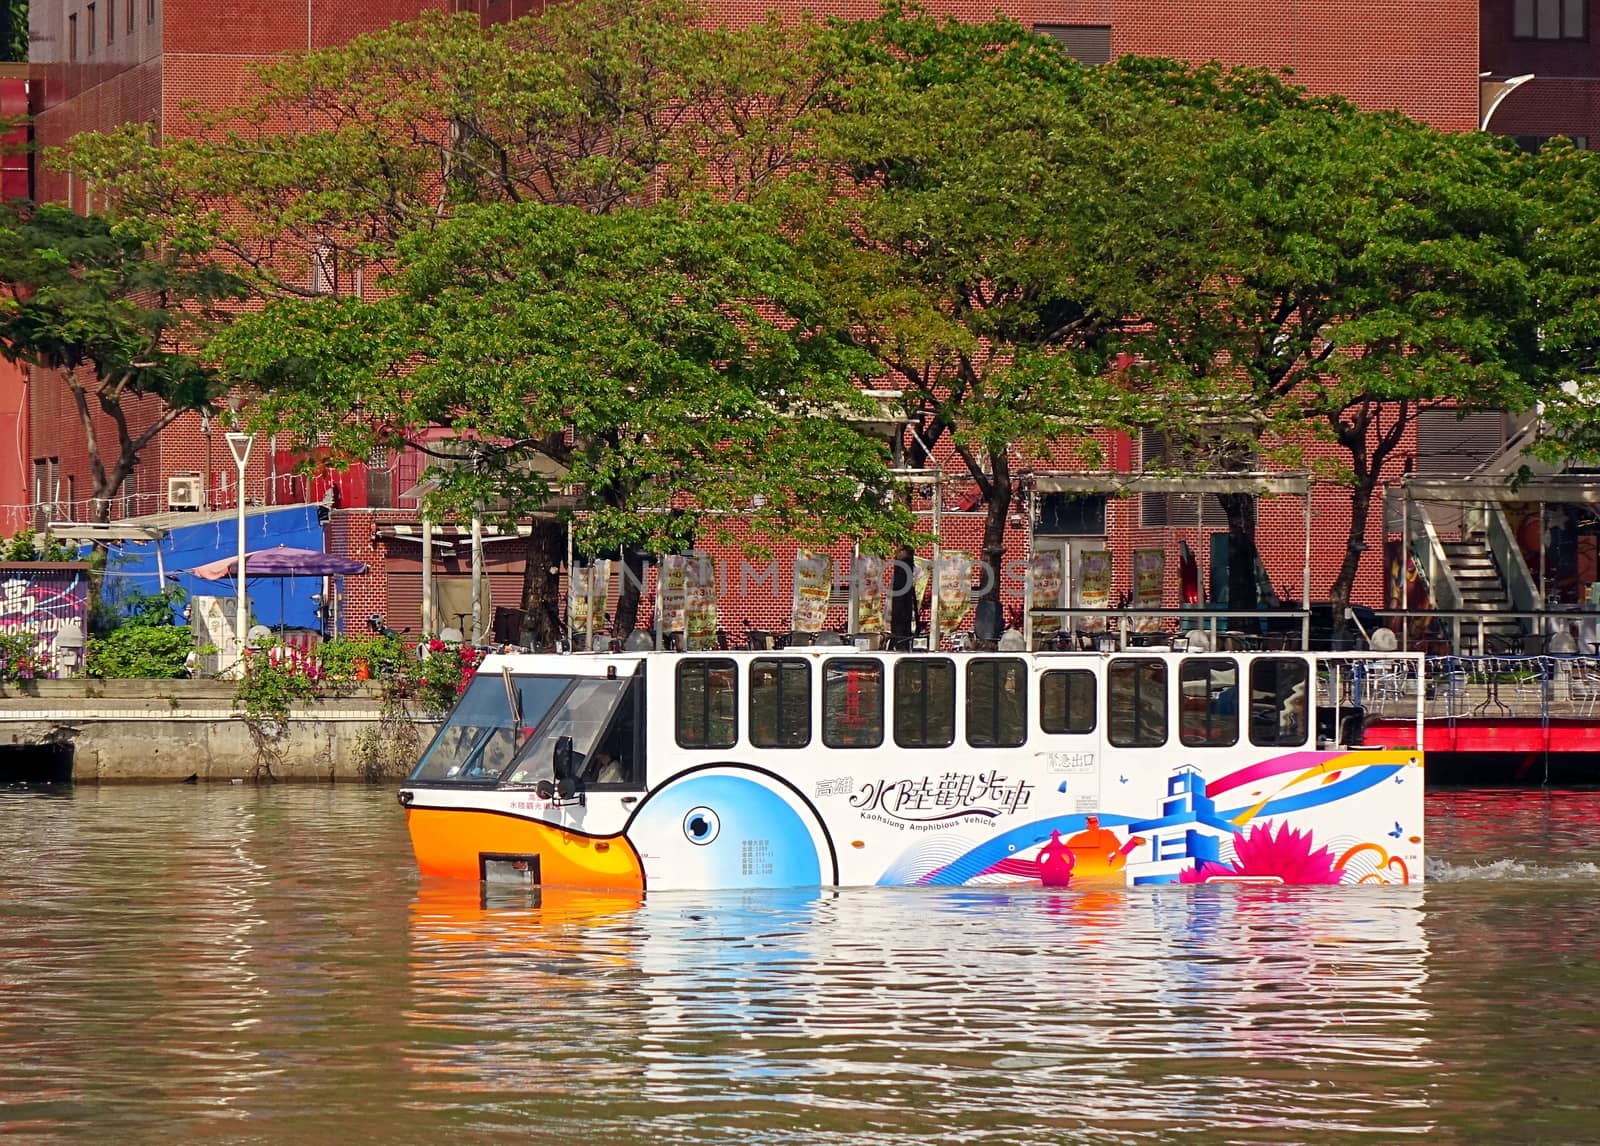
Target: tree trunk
[
  {"x": 990, "y": 620},
  {"x": 1356, "y": 544},
  {"x": 541, "y": 585},
  {"x": 1241, "y": 552},
  {"x": 628, "y": 595}
]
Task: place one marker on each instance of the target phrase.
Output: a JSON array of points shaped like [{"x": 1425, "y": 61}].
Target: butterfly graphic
[
  {"x": 1398, "y": 830},
  {"x": 1122, "y": 779}
]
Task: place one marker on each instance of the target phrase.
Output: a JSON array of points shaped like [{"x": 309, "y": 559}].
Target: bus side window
[
  {"x": 997, "y": 702},
  {"x": 1136, "y": 702},
  {"x": 1279, "y": 701},
  {"x": 708, "y": 703},
  {"x": 780, "y": 702},
  {"x": 852, "y": 703},
  {"x": 924, "y": 702},
  {"x": 1066, "y": 701},
  {"x": 1208, "y": 702}
]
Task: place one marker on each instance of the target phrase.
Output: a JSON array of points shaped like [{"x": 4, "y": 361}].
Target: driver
[{"x": 605, "y": 768}]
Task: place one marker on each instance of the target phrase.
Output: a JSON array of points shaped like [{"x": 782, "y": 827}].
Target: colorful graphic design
[
  {"x": 744, "y": 831},
  {"x": 1189, "y": 840},
  {"x": 1284, "y": 857}
]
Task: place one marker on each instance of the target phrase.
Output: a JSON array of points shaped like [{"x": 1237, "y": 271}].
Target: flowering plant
[
  {"x": 445, "y": 671},
  {"x": 21, "y": 658}
]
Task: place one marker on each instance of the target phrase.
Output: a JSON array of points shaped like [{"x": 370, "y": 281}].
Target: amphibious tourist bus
[{"x": 832, "y": 766}]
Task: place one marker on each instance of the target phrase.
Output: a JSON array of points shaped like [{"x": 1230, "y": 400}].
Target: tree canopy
[
  {"x": 124, "y": 320},
  {"x": 1366, "y": 267},
  {"x": 624, "y": 253}
]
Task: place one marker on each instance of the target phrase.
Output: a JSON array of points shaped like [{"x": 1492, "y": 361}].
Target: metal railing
[
  {"x": 1215, "y": 622},
  {"x": 1463, "y": 632}
]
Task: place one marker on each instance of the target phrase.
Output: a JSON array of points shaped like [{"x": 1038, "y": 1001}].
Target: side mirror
[{"x": 561, "y": 765}]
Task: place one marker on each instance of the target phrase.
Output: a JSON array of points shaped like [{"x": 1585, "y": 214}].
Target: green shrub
[
  {"x": 386, "y": 658},
  {"x": 145, "y": 652}
]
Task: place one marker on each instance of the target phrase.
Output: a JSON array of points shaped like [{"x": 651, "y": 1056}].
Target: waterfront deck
[{"x": 1494, "y": 704}]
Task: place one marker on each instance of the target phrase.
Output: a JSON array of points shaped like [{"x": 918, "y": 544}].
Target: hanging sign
[
  {"x": 674, "y": 592},
  {"x": 1044, "y": 591},
  {"x": 813, "y": 582},
  {"x": 1149, "y": 575},
  {"x": 700, "y": 601},
  {"x": 955, "y": 589},
  {"x": 866, "y": 586},
  {"x": 1093, "y": 589}
]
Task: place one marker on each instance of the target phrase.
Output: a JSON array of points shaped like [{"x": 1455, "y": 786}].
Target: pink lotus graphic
[{"x": 1286, "y": 856}]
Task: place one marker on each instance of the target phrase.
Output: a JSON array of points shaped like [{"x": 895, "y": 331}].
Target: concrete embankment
[{"x": 167, "y": 730}]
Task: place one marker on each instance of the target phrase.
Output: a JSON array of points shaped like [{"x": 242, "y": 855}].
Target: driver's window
[{"x": 616, "y": 762}]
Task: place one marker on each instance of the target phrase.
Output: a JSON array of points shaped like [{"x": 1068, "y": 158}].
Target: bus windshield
[{"x": 481, "y": 737}]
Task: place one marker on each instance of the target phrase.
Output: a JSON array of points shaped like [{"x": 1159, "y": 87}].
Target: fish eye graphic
[{"x": 701, "y": 825}]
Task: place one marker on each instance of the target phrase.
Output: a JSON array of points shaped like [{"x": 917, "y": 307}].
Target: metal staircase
[{"x": 1483, "y": 590}]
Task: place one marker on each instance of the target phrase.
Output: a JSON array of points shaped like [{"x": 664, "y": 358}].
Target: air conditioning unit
[{"x": 184, "y": 492}]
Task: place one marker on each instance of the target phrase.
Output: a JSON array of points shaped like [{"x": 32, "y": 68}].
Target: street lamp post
[{"x": 240, "y": 445}]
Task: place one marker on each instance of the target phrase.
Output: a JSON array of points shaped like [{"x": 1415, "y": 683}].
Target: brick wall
[{"x": 1421, "y": 60}]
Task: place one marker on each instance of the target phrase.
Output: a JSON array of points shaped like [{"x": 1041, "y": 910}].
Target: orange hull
[{"x": 449, "y": 841}]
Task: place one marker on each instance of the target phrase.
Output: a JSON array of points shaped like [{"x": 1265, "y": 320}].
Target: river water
[{"x": 232, "y": 965}]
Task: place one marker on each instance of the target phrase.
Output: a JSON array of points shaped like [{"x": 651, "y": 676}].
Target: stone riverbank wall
[{"x": 167, "y": 730}]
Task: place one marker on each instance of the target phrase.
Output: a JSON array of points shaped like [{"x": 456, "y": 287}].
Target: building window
[
  {"x": 150, "y": 18},
  {"x": 72, "y": 43},
  {"x": 1066, "y": 701},
  {"x": 852, "y": 703},
  {"x": 1208, "y": 702},
  {"x": 1279, "y": 701},
  {"x": 1158, "y": 456},
  {"x": 1532, "y": 144},
  {"x": 1082, "y": 515},
  {"x": 708, "y": 704},
  {"x": 780, "y": 703},
  {"x": 128, "y": 9},
  {"x": 88, "y": 19},
  {"x": 111, "y": 35},
  {"x": 1136, "y": 703},
  {"x": 997, "y": 702},
  {"x": 925, "y": 702},
  {"x": 1549, "y": 19},
  {"x": 1086, "y": 43}
]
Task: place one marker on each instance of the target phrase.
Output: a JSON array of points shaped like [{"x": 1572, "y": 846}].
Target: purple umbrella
[{"x": 279, "y": 561}]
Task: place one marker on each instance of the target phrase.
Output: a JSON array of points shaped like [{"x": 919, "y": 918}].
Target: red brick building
[{"x": 99, "y": 63}]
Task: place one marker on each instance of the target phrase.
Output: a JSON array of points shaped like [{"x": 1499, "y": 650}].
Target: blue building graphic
[{"x": 1187, "y": 832}]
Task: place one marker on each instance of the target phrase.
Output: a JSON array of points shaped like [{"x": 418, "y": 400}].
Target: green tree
[
  {"x": 1367, "y": 267},
  {"x": 598, "y": 105},
  {"x": 991, "y": 214},
  {"x": 678, "y": 365},
  {"x": 14, "y": 30},
  {"x": 1562, "y": 187},
  {"x": 122, "y": 319}
]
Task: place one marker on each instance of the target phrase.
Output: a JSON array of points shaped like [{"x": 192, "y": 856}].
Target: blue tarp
[{"x": 131, "y": 565}]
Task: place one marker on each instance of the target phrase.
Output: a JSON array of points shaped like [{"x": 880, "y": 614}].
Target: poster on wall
[
  {"x": 1093, "y": 589},
  {"x": 1044, "y": 592},
  {"x": 955, "y": 589},
  {"x": 869, "y": 600},
  {"x": 212, "y": 620},
  {"x": 1149, "y": 576},
  {"x": 813, "y": 582},
  {"x": 700, "y": 600},
  {"x": 674, "y": 592}
]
